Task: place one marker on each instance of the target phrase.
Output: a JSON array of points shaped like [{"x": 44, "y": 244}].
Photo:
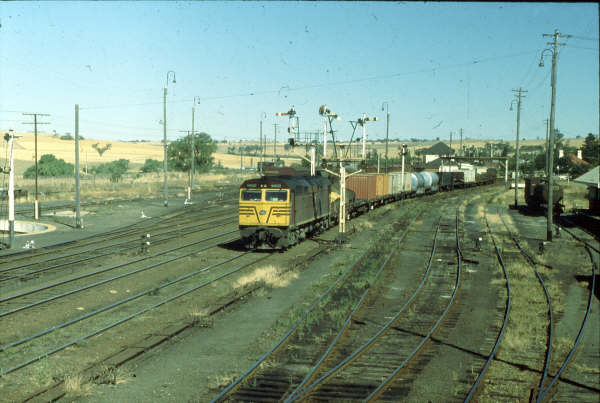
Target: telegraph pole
[
  {"x": 241, "y": 157},
  {"x": 554, "y": 51},
  {"x": 460, "y": 147},
  {"x": 387, "y": 133},
  {"x": 35, "y": 124},
  {"x": 190, "y": 134},
  {"x": 275, "y": 143},
  {"x": 9, "y": 137},
  {"x": 519, "y": 96},
  {"x": 193, "y": 150},
  {"x": 77, "y": 199},
  {"x": 547, "y": 130},
  {"x": 166, "y": 187}
]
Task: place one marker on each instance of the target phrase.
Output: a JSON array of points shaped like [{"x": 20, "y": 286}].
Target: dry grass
[
  {"x": 75, "y": 386},
  {"x": 269, "y": 276},
  {"x": 365, "y": 225},
  {"x": 582, "y": 368},
  {"x": 220, "y": 381},
  {"x": 111, "y": 376},
  {"x": 139, "y": 185}
]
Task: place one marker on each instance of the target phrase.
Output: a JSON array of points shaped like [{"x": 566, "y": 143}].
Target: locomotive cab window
[
  {"x": 251, "y": 195},
  {"x": 276, "y": 195}
]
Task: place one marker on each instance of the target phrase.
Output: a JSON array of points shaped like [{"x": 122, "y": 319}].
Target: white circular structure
[{"x": 27, "y": 227}]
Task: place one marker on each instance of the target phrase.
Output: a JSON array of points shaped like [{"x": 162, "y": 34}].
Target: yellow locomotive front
[
  {"x": 264, "y": 212},
  {"x": 264, "y": 207}
]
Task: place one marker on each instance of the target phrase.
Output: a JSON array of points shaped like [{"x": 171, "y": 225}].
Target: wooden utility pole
[
  {"x": 519, "y": 96},
  {"x": 554, "y": 51},
  {"x": 77, "y": 198},
  {"x": 546, "y": 144},
  {"x": 35, "y": 123}
]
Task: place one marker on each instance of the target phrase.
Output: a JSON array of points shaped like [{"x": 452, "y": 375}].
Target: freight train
[{"x": 285, "y": 206}]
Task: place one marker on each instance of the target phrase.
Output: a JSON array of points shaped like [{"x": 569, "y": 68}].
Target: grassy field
[{"x": 137, "y": 152}]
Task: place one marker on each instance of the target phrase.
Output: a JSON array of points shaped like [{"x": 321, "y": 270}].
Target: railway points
[{"x": 445, "y": 344}]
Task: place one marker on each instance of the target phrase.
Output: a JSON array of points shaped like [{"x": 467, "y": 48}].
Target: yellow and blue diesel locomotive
[{"x": 283, "y": 207}]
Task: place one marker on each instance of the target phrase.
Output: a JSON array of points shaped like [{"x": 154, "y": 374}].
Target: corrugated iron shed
[{"x": 590, "y": 178}]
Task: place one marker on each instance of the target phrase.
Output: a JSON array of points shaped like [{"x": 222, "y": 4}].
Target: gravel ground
[
  {"x": 95, "y": 219},
  {"x": 199, "y": 362}
]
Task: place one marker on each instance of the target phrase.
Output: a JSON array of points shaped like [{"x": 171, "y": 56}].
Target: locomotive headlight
[{"x": 262, "y": 212}]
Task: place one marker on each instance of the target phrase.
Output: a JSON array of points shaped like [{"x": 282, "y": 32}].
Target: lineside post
[
  {"x": 11, "y": 190},
  {"x": 77, "y": 200},
  {"x": 342, "y": 220}
]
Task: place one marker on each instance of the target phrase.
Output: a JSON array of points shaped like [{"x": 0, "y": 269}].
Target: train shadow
[
  {"x": 527, "y": 211},
  {"x": 238, "y": 246},
  {"x": 585, "y": 222},
  {"x": 588, "y": 280}
]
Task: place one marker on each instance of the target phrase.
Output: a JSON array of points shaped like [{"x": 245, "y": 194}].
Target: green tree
[
  {"x": 178, "y": 153},
  {"x": 115, "y": 169},
  {"x": 49, "y": 165},
  {"x": 591, "y": 149},
  {"x": 540, "y": 161},
  {"x": 151, "y": 166}
]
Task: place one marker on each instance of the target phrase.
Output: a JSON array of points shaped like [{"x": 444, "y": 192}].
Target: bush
[
  {"x": 115, "y": 169},
  {"x": 151, "y": 166},
  {"x": 49, "y": 165}
]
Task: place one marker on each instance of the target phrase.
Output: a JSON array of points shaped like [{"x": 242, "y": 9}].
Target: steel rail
[
  {"x": 125, "y": 319},
  {"x": 578, "y": 237},
  {"x": 156, "y": 238},
  {"x": 105, "y": 269},
  {"x": 158, "y": 220},
  {"x": 532, "y": 263},
  {"x": 101, "y": 239},
  {"x": 297, "y": 393},
  {"x": 380, "y": 388},
  {"x": 117, "y": 303},
  {"x": 246, "y": 373},
  {"x": 505, "y": 321},
  {"x": 119, "y": 232},
  {"x": 545, "y": 391},
  {"x": 101, "y": 282},
  {"x": 112, "y": 231}
]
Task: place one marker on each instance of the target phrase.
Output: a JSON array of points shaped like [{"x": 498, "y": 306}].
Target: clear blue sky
[{"x": 440, "y": 66}]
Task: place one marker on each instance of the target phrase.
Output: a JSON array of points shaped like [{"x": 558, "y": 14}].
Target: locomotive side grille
[{"x": 280, "y": 211}]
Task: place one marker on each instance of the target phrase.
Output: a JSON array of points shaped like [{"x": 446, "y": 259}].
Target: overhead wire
[
  {"x": 322, "y": 85},
  {"x": 584, "y": 38},
  {"x": 581, "y": 47}
]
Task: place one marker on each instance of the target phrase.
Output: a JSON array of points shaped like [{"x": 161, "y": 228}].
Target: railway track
[
  {"x": 380, "y": 353},
  {"x": 25, "y": 209},
  {"x": 347, "y": 357},
  {"x": 309, "y": 332},
  {"x": 539, "y": 359},
  {"x": 104, "y": 285},
  {"x": 26, "y": 266}
]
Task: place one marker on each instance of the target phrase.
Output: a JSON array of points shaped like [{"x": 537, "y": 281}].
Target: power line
[
  {"x": 584, "y": 38},
  {"x": 331, "y": 84},
  {"x": 581, "y": 47}
]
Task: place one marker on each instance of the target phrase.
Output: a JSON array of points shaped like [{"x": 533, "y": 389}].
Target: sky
[{"x": 437, "y": 67}]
